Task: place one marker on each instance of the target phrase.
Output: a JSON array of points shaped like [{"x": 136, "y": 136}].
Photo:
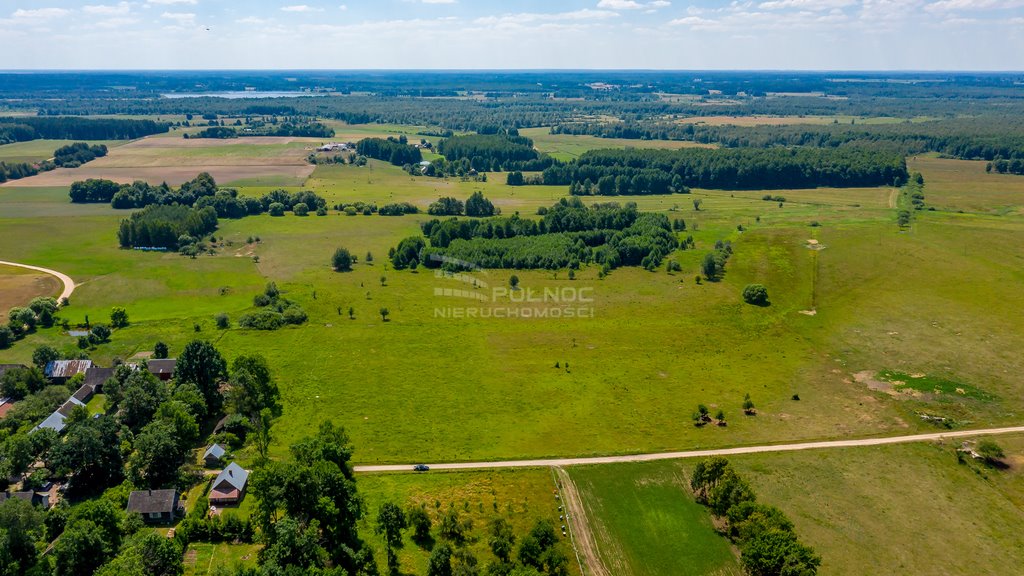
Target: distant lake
[{"x": 233, "y": 95}]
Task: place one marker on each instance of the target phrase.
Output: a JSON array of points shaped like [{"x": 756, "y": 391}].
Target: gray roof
[
  {"x": 84, "y": 393},
  {"x": 162, "y": 366},
  {"x": 54, "y": 422},
  {"x": 234, "y": 475},
  {"x": 217, "y": 451},
  {"x": 150, "y": 501},
  {"x": 68, "y": 406},
  {"x": 66, "y": 368},
  {"x": 96, "y": 376}
]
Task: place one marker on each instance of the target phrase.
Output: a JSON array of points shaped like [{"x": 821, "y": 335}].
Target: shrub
[
  {"x": 276, "y": 209},
  {"x": 262, "y": 320},
  {"x": 99, "y": 333},
  {"x": 222, "y": 321},
  {"x": 300, "y": 209},
  {"x": 7, "y": 337},
  {"x": 118, "y": 317},
  {"x": 342, "y": 260},
  {"x": 755, "y": 294}
]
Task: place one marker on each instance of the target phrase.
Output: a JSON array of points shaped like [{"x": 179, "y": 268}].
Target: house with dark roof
[
  {"x": 5, "y": 367},
  {"x": 60, "y": 371},
  {"x": 35, "y": 498},
  {"x": 96, "y": 377},
  {"x": 162, "y": 368},
  {"x": 155, "y": 506},
  {"x": 229, "y": 486},
  {"x": 214, "y": 455}
]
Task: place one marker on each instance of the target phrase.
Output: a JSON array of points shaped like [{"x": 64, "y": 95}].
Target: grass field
[
  {"x": 964, "y": 185},
  {"x": 939, "y": 299},
  {"x": 570, "y": 146},
  {"x": 203, "y": 559},
  {"x": 521, "y": 497},
  {"x": 647, "y": 523},
  {"x": 39, "y": 150},
  {"x": 909, "y": 509},
  {"x": 18, "y": 286}
]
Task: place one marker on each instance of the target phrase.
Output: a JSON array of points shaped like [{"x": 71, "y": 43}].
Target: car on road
[{"x": 421, "y": 468}]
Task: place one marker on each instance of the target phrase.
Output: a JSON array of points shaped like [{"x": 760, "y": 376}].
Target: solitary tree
[
  {"x": 755, "y": 294},
  {"x": 513, "y": 281},
  {"x": 160, "y": 350},
  {"x": 390, "y": 523},
  {"x": 420, "y": 522},
  {"x": 697, "y": 203},
  {"x": 118, "y": 317},
  {"x": 342, "y": 260},
  {"x": 709, "y": 266},
  {"x": 384, "y": 312},
  {"x": 748, "y": 405}
]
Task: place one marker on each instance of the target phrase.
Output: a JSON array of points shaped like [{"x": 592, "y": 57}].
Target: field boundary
[
  {"x": 69, "y": 284},
  {"x": 649, "y": 457}
]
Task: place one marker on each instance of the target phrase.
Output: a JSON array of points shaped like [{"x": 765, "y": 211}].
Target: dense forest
[
  {"x": 497, "y": 152},
  {"x": 645, "y": 171},
  {"x": 397, "y": 151},
  {"x": 969, "y": 138},
  {"x": 569, "y": 234},
  {"x": 25, "y": 128},
  {"x": 164, "y": 226}
]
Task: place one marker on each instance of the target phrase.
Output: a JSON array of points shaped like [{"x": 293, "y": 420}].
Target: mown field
[
  {"x": 19, "y": 286},
  {"x": 39, "y": 150},
  {"x": 570, "y": 146},
  {"x": 938, "y": 299},
  {"x": 647, "y": 523}
]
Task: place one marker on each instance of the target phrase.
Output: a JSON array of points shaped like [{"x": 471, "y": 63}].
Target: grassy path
[{"x": 698, "y": 453}]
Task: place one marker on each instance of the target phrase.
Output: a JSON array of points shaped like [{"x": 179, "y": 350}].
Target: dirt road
[
  {"x": 69, "y": 284},
  {"x": 697, "y": 453}
]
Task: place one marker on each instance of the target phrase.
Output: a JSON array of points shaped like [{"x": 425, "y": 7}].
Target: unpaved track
[
  {"x": 583, "y": 537},
  {"x": 698, "y": 453},
  {"x": 69, "y": 284}
]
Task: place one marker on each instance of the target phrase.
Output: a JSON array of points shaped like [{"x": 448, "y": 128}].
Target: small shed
[
  {"x": 229, "y": 486},
  {"x": 155, "y": 506},
  {"x": 214, "y": 455}
]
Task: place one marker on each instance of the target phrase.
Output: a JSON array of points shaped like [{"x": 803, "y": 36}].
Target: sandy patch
[
  {"x": 809, "y": 312},
  {"x": 867, "y": 377}
]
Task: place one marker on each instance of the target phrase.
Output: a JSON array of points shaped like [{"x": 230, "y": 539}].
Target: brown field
[
  {"x": 964, "y": 185},
  {"x": 176, "y": 160},
  {"x": 19, "y": 286}
]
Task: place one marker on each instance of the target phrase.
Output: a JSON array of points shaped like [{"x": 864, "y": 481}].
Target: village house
[
  {"x": 60, "y": 371},
  {"x": 214, "y": 455},
  {"x": 155, "y": 506},
  {"x": 229, "y": 486}
]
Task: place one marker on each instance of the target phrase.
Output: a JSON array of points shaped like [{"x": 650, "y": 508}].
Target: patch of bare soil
[
  {"x": 583, "y": 538},
  {"x": 867, "y": 377}
]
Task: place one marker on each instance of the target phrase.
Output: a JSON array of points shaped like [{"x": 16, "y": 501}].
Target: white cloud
[
  {"x": 116, "y": 22},
  {"x": 963, "y": 5},
  {"x": 108, "y": 10},
  {"x": 300, "y": 8},
  {"x": 251, "y": 20},
  {"x": 532, "y": 17},
  {"x": 169, "y": 2},
  {"x": 814, "y": 5},
  {"x": 40, "y": 13},
  {"x": 180, "y": 17},
  {"x": 439, "y": 1},
  {"x": 619, "y": 4}
]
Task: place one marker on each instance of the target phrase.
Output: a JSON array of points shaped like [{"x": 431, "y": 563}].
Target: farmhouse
[
  {"x": 56, "y": 421},
  {"x": 229, "y": 486},
  {"x": 34, "y": 498},
  {"x": 162, "y": 368},
  {"x": 214, "y": 455},
  {"x": 155, "y": 506},
  {"x": 60, "y": 371}
]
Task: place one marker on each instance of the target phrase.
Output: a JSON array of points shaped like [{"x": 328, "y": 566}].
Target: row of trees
[
  {"x": 167, "y": 227},
  {"x": 476, "y": 206},
  {"x": 297, "y": 129},
  {"x": 766, "y": 538},
  {"x": 397, "y": 151},
  {"x": 502, "y": 151},
  {"x": 648, "y": 171},
  {"x": 74, "y": 155},
  {"x": 25, "y": 128}
]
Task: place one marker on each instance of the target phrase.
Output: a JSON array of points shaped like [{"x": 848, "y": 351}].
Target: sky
[{"x": 513, "y": 34}]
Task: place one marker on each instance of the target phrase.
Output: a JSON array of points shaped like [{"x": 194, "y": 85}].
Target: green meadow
[
  {"x": 39, "y": 150},
  {"x": 937, "y": 299},
  {"x": 647, "y": 523}
]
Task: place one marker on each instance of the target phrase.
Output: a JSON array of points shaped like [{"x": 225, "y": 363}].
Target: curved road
[
  {"x": 697, "y": 453},
  {"x": 69, "y": 284}
]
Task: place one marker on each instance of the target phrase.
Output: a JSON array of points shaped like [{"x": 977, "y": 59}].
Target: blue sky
[{"x": 468, "y": 34}]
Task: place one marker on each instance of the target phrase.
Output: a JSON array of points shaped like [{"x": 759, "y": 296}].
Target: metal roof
[
  {"x": 150, "y": 501},
  {"x": 217, "y": 451},
  {"x": 66, "y": 368},
  {"x": 234, "y": 475}
]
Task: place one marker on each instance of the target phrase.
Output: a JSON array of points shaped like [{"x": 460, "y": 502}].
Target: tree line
[
  {"x": 25, "y": 128},
  {"x": 499, "y": 152},
  {"x": 397, "y": 151},
  {"x": 647, "y": 171},
  {"x": 166, "y": 226}
]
